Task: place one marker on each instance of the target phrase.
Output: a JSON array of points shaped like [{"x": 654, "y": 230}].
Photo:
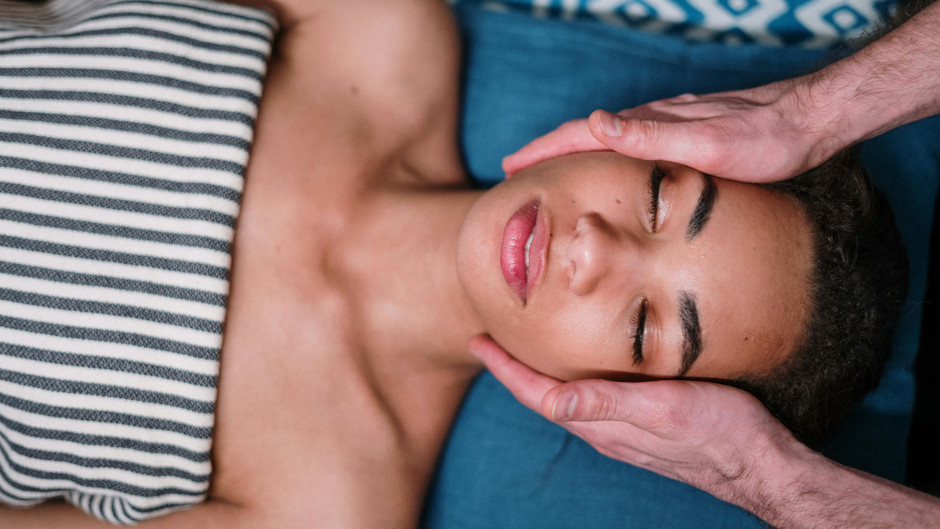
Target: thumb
[
  {"x": 647, "y": 139},
  {"x": 594, "y": 400}
]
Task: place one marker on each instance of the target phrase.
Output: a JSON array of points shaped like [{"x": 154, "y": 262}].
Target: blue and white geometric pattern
[{"x": 800, "y": 23}]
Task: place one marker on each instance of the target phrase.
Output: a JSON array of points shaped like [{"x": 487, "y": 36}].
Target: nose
[{"x": 596, "y": 250}]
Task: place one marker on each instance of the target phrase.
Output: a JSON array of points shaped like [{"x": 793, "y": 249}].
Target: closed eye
[
  {"x": 656, "y": 178},
  {"x": 639, "y": 332}
]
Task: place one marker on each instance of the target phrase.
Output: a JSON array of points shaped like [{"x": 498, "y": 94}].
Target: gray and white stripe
[{"x": 125, "y": 127}]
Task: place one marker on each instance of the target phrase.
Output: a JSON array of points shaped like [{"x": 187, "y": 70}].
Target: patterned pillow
[{"x": 801, "y": 23}]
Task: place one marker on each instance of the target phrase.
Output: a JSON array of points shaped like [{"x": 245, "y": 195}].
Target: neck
[
  {"x": 399, "y": 267},
  {"x": 413, "y": 318}
]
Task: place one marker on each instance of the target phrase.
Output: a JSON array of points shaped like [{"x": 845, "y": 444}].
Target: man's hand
[
  {"x": 719, "y": 439},
  {"x": 775, "y": 131},
  {"x": 707, "y": 435},
  {"x": 764, "y": 134}
]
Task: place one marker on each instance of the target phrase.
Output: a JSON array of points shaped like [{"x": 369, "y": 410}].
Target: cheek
[{"x": 566, "y": 344}]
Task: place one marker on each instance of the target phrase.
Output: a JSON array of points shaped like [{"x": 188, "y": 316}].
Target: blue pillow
[{"x": 505, "y": 466}]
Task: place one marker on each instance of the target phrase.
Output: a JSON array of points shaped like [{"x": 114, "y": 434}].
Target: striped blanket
[{"x": 125, "y": 127}]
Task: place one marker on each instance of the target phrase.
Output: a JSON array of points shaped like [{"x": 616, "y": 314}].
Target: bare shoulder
[
  {"x": 392, "y": 61},
  {"x": 364, "y": 79}
]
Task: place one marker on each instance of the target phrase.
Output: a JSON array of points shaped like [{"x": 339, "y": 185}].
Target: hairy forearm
[
  {"x": 893, "y": 81},
  {"x": 793, "y": 487}
]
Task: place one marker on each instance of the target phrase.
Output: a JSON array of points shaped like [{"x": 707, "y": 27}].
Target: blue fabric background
[{"x": 506, "y": 467}]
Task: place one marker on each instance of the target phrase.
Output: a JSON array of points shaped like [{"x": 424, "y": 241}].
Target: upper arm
[
  {"x": 365, "y": 76},
  {"x": 394, "y": 55}
]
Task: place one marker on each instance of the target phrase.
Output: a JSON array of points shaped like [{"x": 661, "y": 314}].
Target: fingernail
[
  {"x": 563, "y": 408},
  {"x": 611, "y": 124}
]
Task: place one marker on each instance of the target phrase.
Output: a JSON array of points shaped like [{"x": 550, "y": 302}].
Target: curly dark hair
[{"x": 857, "y": 286}]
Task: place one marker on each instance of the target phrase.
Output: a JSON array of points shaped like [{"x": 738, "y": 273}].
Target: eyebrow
[
  {"x": 703, "y": 209},
  {"x": 691, "y": 331}
]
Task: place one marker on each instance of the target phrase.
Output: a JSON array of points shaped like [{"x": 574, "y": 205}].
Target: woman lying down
[{"x": 362, "y": 264}]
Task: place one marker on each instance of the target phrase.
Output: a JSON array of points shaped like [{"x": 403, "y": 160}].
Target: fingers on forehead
[{"x": 570, "y": 137}]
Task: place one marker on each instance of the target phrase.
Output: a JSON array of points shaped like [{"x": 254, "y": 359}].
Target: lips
[{"x": 522, "y": 254}]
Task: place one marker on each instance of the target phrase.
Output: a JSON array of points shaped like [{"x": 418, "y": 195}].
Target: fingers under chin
[{"x": 527, "y": 385}]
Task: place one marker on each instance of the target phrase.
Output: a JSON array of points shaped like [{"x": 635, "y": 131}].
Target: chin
[{"x": 478, "y": 267}]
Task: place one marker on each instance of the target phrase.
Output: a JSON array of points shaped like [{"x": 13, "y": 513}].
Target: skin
[
  {"x": 746, "y": 269},
  {"x": 344, "y": 354}
]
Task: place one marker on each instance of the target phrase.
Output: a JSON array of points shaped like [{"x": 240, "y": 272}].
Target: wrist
[
  {"x": 778, "y": 474},
  {"x": 892, "y": 81},
  {"x": 793, "y": 487},
  {"x": 818, "y": 105},
  {"x": 856, "y": 107}
]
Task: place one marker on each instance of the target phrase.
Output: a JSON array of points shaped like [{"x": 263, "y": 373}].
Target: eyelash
[
  {"x": 656, "y": 178},
  {"x": 639, "y": 321},
  {"x": 639, "y": 332}
]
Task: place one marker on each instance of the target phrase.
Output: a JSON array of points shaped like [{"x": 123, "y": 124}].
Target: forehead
[{"x": 754, "y": 278}]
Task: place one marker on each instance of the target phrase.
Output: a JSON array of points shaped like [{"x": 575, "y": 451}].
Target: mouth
[{"x": 522, "y": 254}]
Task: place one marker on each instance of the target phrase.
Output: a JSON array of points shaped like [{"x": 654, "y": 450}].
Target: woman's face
[{"x": 599, "y": 265}]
